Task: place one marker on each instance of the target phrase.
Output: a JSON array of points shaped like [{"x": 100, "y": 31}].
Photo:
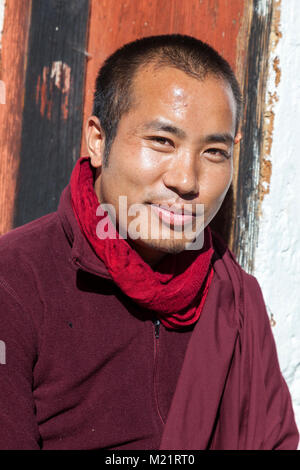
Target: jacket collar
[{"x": 82, "y": 254}]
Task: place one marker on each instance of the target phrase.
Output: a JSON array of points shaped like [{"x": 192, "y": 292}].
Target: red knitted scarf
[{"x": 175, "y": 291}]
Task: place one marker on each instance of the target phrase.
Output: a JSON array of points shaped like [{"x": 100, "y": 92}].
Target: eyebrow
[
  {"x": 223, "y": 138},
  {"x": 157, "y": 125}
]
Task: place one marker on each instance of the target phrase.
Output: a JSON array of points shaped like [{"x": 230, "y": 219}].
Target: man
[{"x": 121, "y": 332}]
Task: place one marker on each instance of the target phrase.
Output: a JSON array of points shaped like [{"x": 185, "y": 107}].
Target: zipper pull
[{"x": 156, "y": 328}]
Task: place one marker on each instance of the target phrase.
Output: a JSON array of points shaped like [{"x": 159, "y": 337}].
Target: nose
[{"x": 181, "y": 176}]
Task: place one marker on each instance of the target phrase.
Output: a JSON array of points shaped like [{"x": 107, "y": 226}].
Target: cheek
[
  {"x": 133, "y": 167},
  {"x": 142, "y": 165},
  {"x": 215, "y": 185},
  {"x": 130, "y": 172}
]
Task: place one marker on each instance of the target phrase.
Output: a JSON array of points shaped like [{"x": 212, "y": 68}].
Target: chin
[{"x": 163, "y": 246}]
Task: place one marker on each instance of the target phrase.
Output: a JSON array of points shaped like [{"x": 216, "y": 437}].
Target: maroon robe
[{"x": 231, "y": 393}]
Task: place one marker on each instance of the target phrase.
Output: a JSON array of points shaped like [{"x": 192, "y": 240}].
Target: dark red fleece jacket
[
  {"x": 85, "y": 368},
  {"x": 81, "y": 367}
]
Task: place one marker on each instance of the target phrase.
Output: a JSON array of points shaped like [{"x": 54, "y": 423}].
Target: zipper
[
  {"x": 156, "y": 328},
  {"x": 156, "y": 324}
]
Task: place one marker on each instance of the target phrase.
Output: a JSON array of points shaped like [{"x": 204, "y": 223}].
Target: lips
[{"x": 173, "y": 215}]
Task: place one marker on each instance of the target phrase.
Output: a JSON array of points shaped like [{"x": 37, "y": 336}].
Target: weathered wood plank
[
  {"x": 246, "y": 223},
  {"x": 12, "y": 66},
  {"x": 52, "y": 116}
]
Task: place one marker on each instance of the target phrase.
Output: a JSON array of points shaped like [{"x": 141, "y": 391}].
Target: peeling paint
[
  {"x": 269, "y": 114},
  {"x": 277, "y": 71},
  {"x": 262, "y": 7},
  {"x": 58, "y": 76}
]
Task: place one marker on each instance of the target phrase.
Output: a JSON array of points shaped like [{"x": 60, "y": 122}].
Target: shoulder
[
  {"x": 27, "y": 254},
  {"x": 25, "y": 232},
  {"x": 29, "y": 243},
  {"x": 249, "y": 300}
]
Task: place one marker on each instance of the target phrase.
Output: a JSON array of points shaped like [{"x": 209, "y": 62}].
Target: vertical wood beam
[
  {"x": 248, "y": 183},
  {"x": 52, "y": 115},
  {"x": 12, "y": 66}
]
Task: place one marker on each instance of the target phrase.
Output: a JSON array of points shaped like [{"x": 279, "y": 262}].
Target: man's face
[{"x": 173, "y": 148}]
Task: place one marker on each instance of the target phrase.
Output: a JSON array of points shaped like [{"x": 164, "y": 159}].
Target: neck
[{"x": 149, "y": 255}]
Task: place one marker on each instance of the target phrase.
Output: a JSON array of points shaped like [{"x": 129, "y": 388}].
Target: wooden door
[{"x": 51, "y": 52}]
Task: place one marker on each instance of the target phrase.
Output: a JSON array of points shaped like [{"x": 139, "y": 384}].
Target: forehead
[{"x": 175, "y": 95}]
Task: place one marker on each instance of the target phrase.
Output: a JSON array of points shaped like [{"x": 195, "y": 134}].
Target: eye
[
  {"x": 218, "y": 153},
  {"x": 161, "y": 140}
]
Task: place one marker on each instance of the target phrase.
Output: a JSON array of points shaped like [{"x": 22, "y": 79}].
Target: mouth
[{"x": 173, "y": 215}]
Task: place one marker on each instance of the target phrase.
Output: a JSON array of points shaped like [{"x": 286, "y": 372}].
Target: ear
[{"x": 95, "y": 141}]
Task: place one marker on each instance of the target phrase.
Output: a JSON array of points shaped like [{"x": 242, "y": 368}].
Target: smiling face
[{"x": 173, "y": 148}]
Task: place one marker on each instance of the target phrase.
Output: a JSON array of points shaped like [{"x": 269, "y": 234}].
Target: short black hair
[{"x": 113, "y": 91}]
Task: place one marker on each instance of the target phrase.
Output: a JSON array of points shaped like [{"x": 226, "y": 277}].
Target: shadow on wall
[{"x": 222, "y": 222}]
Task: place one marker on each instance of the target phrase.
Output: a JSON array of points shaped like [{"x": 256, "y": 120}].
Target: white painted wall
[{"x": 277, "y": 258}]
